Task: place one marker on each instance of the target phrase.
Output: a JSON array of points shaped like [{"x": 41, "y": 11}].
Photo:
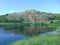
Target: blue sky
[{"x": 10, "y": 6}]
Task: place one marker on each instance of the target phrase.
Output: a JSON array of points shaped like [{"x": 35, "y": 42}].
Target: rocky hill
[{"x": 30, "y": 15}]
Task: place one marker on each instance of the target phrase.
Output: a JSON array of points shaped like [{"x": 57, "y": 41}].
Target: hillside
[{"x": 30, "y": 16}]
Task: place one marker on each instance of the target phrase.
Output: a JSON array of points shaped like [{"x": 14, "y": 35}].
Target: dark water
[{"x": 7, "y": 37}]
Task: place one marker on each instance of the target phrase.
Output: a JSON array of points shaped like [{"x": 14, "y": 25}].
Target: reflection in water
[
  {"x": 27, "y": 29},
  {"x": 7, "y": 37},
  {"x": 32, "y": 30}
]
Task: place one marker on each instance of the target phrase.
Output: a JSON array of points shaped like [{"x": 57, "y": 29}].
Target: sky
[{"x": 11, "y": 6}]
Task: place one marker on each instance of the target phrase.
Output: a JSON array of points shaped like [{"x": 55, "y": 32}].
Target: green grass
[
  {"x": 40, "y": 40},
  {"x": 10, "y": 26},
  {"x": 55, "y": 24}
]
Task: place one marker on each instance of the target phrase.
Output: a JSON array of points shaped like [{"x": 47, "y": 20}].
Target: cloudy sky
[{"x": 10, "y": 6}]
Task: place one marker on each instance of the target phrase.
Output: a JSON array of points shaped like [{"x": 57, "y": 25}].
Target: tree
[
  {"x": 21, "y": 19},
  {"x": 58, "y": 16},
  {"x": 52, "y": 17}
]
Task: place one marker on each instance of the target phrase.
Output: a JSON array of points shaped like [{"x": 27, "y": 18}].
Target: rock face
[{"x": 30, "y": 15}]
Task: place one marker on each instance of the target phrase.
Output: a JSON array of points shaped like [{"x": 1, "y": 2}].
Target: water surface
[{"x": 7, "y": 37}]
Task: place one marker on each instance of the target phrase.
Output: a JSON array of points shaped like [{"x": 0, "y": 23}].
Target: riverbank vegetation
[{"x": 49, "y": 39}]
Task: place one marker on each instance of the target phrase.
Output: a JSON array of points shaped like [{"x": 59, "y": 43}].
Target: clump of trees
[
  {"x": 52, "y": 17},
  {"x": 3, "y": 19},
  {"x": 57, "y": 16}
]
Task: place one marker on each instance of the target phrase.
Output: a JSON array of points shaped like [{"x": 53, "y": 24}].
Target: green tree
[{"x": 21, "y": 19}]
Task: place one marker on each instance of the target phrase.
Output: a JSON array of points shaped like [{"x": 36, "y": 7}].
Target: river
[{"x": 7, "y": 37}]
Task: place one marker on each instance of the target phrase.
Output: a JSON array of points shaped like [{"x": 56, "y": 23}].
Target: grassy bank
[{"x": 40, "y": 40}]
